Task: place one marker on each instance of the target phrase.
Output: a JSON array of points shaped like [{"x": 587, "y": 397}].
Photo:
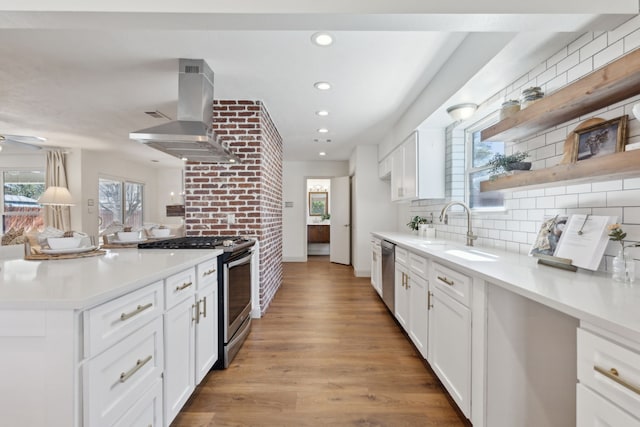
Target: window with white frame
[
  {"x": 21, "y": 190},
  {"x": 120, "y": 201},
  {"x": 479, "y": 153}
]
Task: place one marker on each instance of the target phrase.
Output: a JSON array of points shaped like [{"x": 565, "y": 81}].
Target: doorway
[{"x": 318, "y": 217}]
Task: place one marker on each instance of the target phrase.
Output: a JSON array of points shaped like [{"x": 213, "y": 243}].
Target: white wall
[
  {"x": 294, "y": 175},
  {"x": 84, "y": 168},
  {"x": 516, "y": 229},
  {"x": 372, "y": 209}
]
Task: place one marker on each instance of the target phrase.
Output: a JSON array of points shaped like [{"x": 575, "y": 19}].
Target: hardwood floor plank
[{"x": 326, "y": 353}]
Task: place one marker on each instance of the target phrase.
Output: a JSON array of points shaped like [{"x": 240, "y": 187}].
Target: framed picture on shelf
[{"x": 600, "y": 139}]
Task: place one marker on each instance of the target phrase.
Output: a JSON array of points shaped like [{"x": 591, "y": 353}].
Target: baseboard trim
[
  {"x": 362, "y": 273},
  {"x": 294, "y": 259}
]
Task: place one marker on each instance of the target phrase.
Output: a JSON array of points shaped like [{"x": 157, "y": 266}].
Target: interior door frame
[{"x": 305, "y": 201}]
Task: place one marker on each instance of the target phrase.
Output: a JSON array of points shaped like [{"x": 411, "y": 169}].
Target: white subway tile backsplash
[
  {"x": 556, "y": 135},
  {"x": 494, "y": 234},
  {"x": 528, "y": 203},
  {"x": 607, "y": 185},
  {"x": 580, "y": 188},
  {"x": 535, "y": 193},
  {"x": 546, "y": 202},
  {"x": 528, "y": 226},
  {"x": 580, "y": 70},
  {"x": 557, "y": 57},
  {"x": 555, "y": 191},
  {"x": 591, "y": 200},
  {"x": 622, "y": 30},
  {"x": 535, "y": 215},
  {"x": 567, "y": 63},
  {"x": 519, "y": 194},
  {"x": 556, "y": 83},
  {"x": 631, "y": 215},
  {"x": 609, "y": 54},
  {"x": 512, "y": 204},
  {"x": 512, "y": 247},
  {"x": 633, "y": 232},
  {"x": 543, "y": 78},
  {"x": 567, "y": 201},
  {"x": 513, "y": 225},
  {"x": 519, "y": 237},
  {"x": 500, "y": 225},
  {"x": 631, "y": 183},
  {"x": 623, "y": 198},
  {"x": 617, "y": 212},
  {"x": 632, "y": 41},
  {"x": 519, "y": 214},
  {"x": 593, "y": 47},
  {"x": 579, "y": 42},
  {"x": 506, "y": 235}
]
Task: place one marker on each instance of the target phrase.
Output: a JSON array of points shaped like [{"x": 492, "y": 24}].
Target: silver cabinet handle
[
  {"x": 447, "y": 281},
  {"x": 429, "y": 305},
  {"x": 613, "y": 375},
  {"x": 208, "y": 272},
  {"x": 139, "y": 364},
  {"x": 196, "y": 308},
  {"x": 183, "y": 286},
  {"x": 204, "y": 307},
  {"x": 138, "y": 310}
]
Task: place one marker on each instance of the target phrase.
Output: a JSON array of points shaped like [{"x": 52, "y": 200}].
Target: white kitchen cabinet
[
  {"x": 191, "y": 331},
  {"x": 179, "y": 378},
  {"x": 411, "y": 297},
  {"x": 609, "y": 379},
  {"x": 384, "y": 168},
  {"x": 418, "y": 165},
  {"x": 376, "y": 265},
  {"x": 449, "y": 348},
  {"x": 402, "y": 295}
]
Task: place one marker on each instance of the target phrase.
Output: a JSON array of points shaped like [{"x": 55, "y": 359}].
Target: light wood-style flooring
[{"x": 327, "y": 353}]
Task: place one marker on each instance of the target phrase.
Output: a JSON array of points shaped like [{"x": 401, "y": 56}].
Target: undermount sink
[{"x": 472, "y": 255}]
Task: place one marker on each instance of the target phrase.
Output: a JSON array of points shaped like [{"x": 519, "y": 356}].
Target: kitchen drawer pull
[
  {"x": 138, "y": 310},
  {"x": 613, "y": 375},
  {"x": 139, "y": 364},
  {"x": 447, "y": 281},
  {"x": 183, "y": 286},
  {"x": 209, "y": 272},
  {"x": 429, "y": 305}
]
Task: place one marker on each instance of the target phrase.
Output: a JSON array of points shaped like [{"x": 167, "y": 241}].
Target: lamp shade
[
  {"x": 56, "y": 196},
  {"x": 462, "y": 111}
]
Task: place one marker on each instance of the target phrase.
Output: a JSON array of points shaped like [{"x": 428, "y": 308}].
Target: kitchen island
[
  {"x": 518, "y": 343},
  {"x": 83, "y": 341}
]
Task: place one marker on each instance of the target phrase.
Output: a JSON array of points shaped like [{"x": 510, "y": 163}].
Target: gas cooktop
[{"x": 226, "y": 243}]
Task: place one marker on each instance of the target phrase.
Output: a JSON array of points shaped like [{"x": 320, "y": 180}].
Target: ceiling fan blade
[{"x": 23, "y": 141}]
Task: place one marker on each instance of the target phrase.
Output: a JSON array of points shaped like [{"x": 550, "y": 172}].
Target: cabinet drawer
[
  {"x": 108, "y": 323},
  {"x": 147, "y": 411},
  {"x": 180, "y": 286},
  {"x": 453, "y": 283},
  {"x": 594, "y": 410},
  {"x": 610, "y": 370},
  {"x": 114, "y": 380},
  {"x": 207, "y": 273},
  {"x": 418, "y": 265},
  {"x": 402, "y": 256}
]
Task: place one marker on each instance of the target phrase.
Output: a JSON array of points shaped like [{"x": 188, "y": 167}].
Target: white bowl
[
  {"x": 128, "y": 236},
  {"x": 64, "y": 242},
  {"x": 160, "y": 232}
]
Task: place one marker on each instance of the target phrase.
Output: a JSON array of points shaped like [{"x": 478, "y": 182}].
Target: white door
[{"x": 340, "y": 208}]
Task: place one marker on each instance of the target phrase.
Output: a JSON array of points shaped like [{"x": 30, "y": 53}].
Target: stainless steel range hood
[{"x": 190, "y": 137}]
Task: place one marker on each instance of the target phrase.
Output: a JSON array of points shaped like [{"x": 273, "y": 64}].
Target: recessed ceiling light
[
  {"x": 322, "y": 39},
  {"x": 322, "y": 85},
  {"x": 184, "y": 159},
  {"x": 322, "y": 113},
  {"x": 322, "y": 153},
  {"x": 323, "y": 130}
]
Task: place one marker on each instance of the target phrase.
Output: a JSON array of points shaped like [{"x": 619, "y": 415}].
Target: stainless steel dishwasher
[{"x": 388, "y": 274}]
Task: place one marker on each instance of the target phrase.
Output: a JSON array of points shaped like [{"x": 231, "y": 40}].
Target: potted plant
[
  {"x": 415, "y": 222},
  {"x": 501, "y": 163}
]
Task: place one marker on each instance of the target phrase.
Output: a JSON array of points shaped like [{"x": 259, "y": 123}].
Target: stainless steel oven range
[{"x": 234, "y": 287}]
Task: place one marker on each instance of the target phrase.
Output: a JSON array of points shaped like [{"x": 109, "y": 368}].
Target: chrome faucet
[{"x": 445, "y": 218}]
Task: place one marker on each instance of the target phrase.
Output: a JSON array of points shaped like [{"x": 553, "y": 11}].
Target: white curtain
[{"x": 57, "y": 216}]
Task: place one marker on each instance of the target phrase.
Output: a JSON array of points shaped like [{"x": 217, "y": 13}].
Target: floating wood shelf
[
  {"x": 612, "y": 83},
  {"x": 611, "y": 166}
]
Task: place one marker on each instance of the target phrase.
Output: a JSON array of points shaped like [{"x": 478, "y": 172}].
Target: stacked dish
[
  {"x": 530, "y": 95},
  {"x": 67, "y": 245}
]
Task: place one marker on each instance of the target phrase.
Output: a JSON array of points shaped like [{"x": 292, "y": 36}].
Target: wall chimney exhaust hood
[{"x": 190, "y": 137}]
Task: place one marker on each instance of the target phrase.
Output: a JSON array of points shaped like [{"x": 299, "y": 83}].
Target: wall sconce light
[
  {"x": 462, "y": 111},
  {"x": 56, "y": 196}
]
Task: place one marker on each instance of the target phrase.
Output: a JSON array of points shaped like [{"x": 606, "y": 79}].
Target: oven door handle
[{"x": 236, "y": 262}]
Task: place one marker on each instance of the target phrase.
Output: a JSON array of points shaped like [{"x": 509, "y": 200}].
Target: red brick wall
[{"x": 251, "y": 190}]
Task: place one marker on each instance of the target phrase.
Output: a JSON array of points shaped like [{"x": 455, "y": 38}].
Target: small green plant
[
  {"x": 326, "y": 216},
  {"x": 415, "y": 222},
  {"x": 502, "y": 163}
]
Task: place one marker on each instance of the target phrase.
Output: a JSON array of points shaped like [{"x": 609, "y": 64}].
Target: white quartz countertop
[
  {"x": 588, "y": 296},
  {"x": 84, "y": 282}
]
